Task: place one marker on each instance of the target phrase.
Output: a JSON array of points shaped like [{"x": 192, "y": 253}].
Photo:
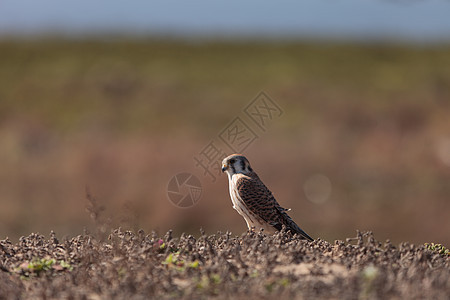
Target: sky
[{"x": 420, "y": 20}]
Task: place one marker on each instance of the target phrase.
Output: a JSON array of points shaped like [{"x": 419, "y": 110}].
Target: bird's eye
[{"x": 232, "y": 161}]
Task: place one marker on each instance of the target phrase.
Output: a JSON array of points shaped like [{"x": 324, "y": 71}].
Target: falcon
[{"x": 254, "y": 201}]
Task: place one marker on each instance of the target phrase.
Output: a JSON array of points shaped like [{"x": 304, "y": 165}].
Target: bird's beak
[{"x": 224, "y": 168}]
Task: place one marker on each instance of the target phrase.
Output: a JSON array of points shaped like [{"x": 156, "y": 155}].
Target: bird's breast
[{"x": 252, "y": 220}]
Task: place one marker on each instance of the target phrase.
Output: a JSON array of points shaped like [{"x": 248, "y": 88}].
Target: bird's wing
[{"x": 260, "y": 201}]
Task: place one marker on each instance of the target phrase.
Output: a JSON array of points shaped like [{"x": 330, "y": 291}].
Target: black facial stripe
[
  {"x": 232, "y": 168},
  {"x": 242, "y": 165}
]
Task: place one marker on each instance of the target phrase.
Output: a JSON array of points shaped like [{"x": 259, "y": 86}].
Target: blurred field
[{"x": 123, "y": 116}]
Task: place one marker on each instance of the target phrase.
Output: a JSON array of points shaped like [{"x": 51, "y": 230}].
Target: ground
[{"x": 129, "y": 265}]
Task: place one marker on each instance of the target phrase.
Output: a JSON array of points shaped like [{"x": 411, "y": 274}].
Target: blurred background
[{"x": 120, "y": 97}]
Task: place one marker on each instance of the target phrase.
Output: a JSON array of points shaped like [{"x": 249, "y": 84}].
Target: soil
[{"x": 130, "y": 265}]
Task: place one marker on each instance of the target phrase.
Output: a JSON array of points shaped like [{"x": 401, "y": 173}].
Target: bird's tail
[{"x": 293, "y": 227}]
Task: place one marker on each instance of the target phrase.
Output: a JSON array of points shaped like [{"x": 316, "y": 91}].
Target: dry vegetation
[{"x": 140, "y": 266}]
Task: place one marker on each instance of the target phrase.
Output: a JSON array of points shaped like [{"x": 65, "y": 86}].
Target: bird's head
[{"x": 235, "y": 164}]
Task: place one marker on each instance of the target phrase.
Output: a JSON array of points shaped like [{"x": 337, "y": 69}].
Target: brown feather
[{"x": 260, "y": 201}]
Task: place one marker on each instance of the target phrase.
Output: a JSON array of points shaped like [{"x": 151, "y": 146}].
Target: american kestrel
[{"x": 254, "y": 201}]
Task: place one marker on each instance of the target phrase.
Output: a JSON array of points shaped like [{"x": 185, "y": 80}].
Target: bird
[{"x": 254, "y": 201}]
